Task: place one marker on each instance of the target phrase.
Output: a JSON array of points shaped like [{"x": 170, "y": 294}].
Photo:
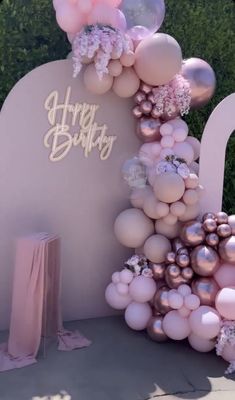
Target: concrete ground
[{"x": 119, "y": 365}]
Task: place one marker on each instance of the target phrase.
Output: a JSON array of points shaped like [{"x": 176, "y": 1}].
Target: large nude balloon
[
  {"x": 158, "y": 59},
  {"x": 156, "y": 247},
  {"x": 169, "y": 187},
  {"x": 132, "y": 227}
]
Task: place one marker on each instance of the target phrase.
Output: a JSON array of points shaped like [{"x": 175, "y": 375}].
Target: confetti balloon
[{"x": 143, "y": 17}]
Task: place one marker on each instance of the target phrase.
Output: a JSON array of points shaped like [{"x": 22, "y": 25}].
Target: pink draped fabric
[{"x": 35, "y": 303}]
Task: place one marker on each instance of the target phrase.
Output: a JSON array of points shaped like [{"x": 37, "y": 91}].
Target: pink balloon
[
  {"x": 137, "y": 315},
  {"x": 184, "y": 150},
  {"x": 142, "y": 289},
  {"x": 228, "y": 352},
  {"x": 112, "y": 3},
  {"x": 175, "y": 300},
  {"x": 116, "y": 300},
  {"x": 68, "y": 18},
  {"x": 225, "y": 303},
  {"x": 94, "y": 84},
  {"x": 120, "y": 21},
  {"x": 205, "y": 322},
  {"x": 70, "y": 37},
  {"x": 175, "y": 326},
  {"x": 84, "y": 6},
  {"x": 103, "y": 14},
  {"x": 225, "y": 276},
  {"x": 200, "y": 344}
]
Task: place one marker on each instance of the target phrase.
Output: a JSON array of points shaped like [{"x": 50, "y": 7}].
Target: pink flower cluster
[
  {"x": 100, "y": 44},
  {"x": 176, "y": 95}
]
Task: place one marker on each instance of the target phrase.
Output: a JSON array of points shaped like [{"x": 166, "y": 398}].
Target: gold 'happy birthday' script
[{"x": 65, "y": 117}]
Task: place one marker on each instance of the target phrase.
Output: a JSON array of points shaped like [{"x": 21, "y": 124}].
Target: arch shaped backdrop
[{"x": 77, "y": 196}]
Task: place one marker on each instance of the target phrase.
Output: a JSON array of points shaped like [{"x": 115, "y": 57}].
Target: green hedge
[{"x": 30, "y": 37}]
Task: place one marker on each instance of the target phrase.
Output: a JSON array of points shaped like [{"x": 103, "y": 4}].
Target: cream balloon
[
  {"x": 126, "y": 84},
  {"x": 169, "y": 187},
  {"x": 158, "y": 59},
  {"x": 137, "y": 315},
  {"x": 156, "y": 247},
  {"x": 178, "y": 208},
  {"x": 132, "y": 228},
  {"x": 94, "y": 84}
]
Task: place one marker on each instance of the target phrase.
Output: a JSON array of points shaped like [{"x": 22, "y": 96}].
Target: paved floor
[{"x": 120, "y": 365}]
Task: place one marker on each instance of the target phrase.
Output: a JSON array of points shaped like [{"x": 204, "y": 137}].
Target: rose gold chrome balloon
[
  {"x": 212, "y": 239},
  {"x": 155, "y": 113},
  {"x": 145, "y": 88},
  {"x": 187, "y": 273},
  {"x": 202, "y": 81},
  {"x": 206, "y": 289},
  {"x": 161, "y": 301},
  {"x": 174, "y": 283},
  {"x": 137, "y": 112},
  {"x": 208, "y": 216},
  {"x": 222, "y": 218},
  {"x": 146, "y": 107},
  {"x": 227, "y": 249},
  {"x": 167, "y": 117},
  {"x": 177, "y": 244},
  {"x": 210, "y": 225},
  {"x": 139, "y": 97},
  {"x": 204, "y": 260},
  {"x": 192, "y": 233},
  {"x": 183, "y": 250},
  {"x": 148, "y": 129},
  {"x": 155, "y": 329},
  {"x": 151, "y": 98},
  {"x": 158, "y": 271},
  {"x": 224, "y": 230},
  {"x": 173, "y": 271},
  {"x": 170, "y": 257},
  {"x": 183, "y": 260}
]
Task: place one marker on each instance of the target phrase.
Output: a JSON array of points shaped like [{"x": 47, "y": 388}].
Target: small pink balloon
[
  {"x": 102, "y": 14},
  {"x": 116, "y": 277},
  {"x": 167, "y": 141},
  {"x": 115, "y": 68},
  {"x": 126, "y": 276},
  {"x": 175, "y": 300},
  {"x": 68, "y": 18},
  {"x": 166, "y": 129},
  {"x": 116, "y": 300},
  {"x": 192, "y": 302},
  {"x": 225, "y": 276},
  {"x": 128, "y": 59},
  {"x": 142, "y": 289},
  {"x": 149, "y": 153},
  {"x": 184, "y": 312},
  {"x": 122, "y": 288}
]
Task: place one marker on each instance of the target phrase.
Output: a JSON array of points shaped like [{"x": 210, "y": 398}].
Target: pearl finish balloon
[
  {"x": 205, "y": 322},
  {"x": 175, "y": 326},
  {"x": 132, "y": 228},
  {"x": 206, "y": 289},
  {"x": 94, "y": 84},
  {"x": 227, "y": 249},
  {"x": 225, "y": 303},
  {"x": 169, "y": 187},
  {"x": 210, "y": 225},
  {"x": 160, "y": 302},
  {"x": 231, "y": 221},
  {"x": 158, "y": 271},
  {"x": 116, "y": 300},
  {"x": 156, "y": 247},
  {"x": 204, "y": 260},
  {"x": 137, "y": 315},
  {"x": 192, "y": 233},
  {"x": 225, "y": 276},
  {"x": 126, "y": 84},
  {"x": 200, "y": 344},
  {"x": 224, "y": 230},
  {"x": 148, "y": 129},
  {"x": 143, "y": 17},
  {"x": 158, "y": 59},
  {"x": 142, "y": 289},
  {"x": 155, "y": 329},
  {"x": 202, "y": 80}
]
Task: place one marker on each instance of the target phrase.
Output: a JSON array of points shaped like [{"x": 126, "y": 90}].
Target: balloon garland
[{"x": 180, "y": 283}]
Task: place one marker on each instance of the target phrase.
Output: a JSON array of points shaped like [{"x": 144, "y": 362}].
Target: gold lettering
[{"x": 89, "y": 136}]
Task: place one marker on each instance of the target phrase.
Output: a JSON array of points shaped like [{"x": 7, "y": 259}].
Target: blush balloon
[
  {"x": 200, "y": 344},
  {"x": 184, "y": 150},
  {"x": 225, "y": 303},
  {"x": 169, "y": 187},
  {"x": 205, "y": 322},
  {"x": 116, "y": 300},
  {"x": 94, "y": 84},
  {"x": 137, "y": 315},
  {"x": 175, "y": 326},
  {"x": 126, "y": 84},
  {"x": 142, "y": 289},
  {"x": 68, "y": 19}
]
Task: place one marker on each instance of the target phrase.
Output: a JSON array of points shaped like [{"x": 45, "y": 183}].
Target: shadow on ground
[{"x": 120, "y": 365}]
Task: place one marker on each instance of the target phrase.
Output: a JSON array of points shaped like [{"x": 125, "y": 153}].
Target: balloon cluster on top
[{"x": 116, "y": 44}]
